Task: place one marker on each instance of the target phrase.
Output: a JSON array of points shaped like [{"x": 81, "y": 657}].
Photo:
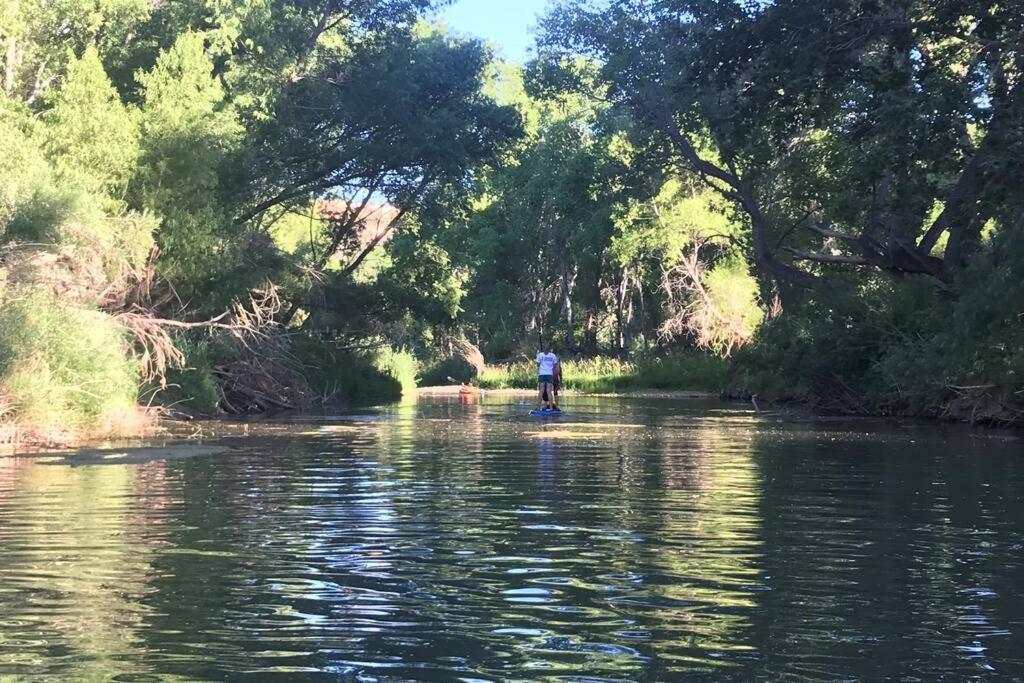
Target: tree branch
[
  {"x": 744, "y": 196},
  {"x": 829, "y": 258}
]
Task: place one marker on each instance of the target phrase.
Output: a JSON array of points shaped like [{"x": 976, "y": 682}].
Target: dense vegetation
[
  {"x": 252, "y": 205},
  {"x": 869, "y": 153}
]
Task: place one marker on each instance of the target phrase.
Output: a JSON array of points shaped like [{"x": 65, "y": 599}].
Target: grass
[
  {"x": 400, "y": 366},
  {"x": 603, "y": 375},
  {"x": 65, "y": 371}
]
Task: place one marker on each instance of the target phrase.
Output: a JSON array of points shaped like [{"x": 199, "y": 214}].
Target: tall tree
[
  {"x": 402, "y": 121},
  {"x": 843, "y": 124}
]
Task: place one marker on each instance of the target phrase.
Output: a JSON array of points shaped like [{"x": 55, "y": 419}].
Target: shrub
[
  {"x": 687, "y": 371},
  {"x": 518, "y": 375},
  {"x": 193, "y": 387},
  {"x": 906, "y": 347},
  {"x": 458, "y": 369},
  {"x": 401, "y": 366},
  {"x": 380, "y": 374},
  {"x": 64, "y": 368}
]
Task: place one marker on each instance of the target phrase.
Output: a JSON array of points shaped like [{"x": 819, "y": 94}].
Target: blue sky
[{"x": 508, "y": 24}]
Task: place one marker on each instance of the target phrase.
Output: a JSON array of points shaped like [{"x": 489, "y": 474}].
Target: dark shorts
[{"x": 546, "y": 379}]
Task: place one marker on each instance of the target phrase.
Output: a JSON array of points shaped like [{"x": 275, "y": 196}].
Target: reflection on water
[{"x": 440, "y": 540}]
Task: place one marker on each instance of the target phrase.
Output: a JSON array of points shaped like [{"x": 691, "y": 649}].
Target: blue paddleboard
[{"x": 543, "y": 411}]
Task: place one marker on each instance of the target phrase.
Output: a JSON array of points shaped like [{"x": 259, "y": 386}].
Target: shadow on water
[{"x": 432, "y": 540}]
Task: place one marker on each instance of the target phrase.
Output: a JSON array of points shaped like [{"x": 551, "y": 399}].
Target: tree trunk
[
  {"x": 629, "y": 322},
  {"x": 741, "y": 193},
  {"x": 643, "y": 316},
  {"x": 959, "y": 212},
  {"x": 590, "y": 330},
  {"x": 567, "y": 287},
  {"x": 620, "y": 312}
]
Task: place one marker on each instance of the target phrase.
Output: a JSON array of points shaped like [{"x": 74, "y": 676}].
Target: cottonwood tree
[
  {"x": 402, "y": 121},
  {"x": 861, "y": 133}
]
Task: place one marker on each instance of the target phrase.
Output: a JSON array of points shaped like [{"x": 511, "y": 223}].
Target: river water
[{"x": 438, "y": 540}]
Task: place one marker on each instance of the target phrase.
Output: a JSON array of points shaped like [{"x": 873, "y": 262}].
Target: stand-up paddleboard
[{"x": 544, "y": 412}]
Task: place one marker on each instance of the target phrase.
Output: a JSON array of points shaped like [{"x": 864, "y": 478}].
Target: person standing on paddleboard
[{"x": 547, "y": 365}]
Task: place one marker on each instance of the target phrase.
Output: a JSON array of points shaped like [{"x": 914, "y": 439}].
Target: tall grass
[
  {"x": 683, "y": 371},
  {"x": 64, "y": 369},
  {"x": 679, "y": 372},
  {"x": 401, "y": 366}
]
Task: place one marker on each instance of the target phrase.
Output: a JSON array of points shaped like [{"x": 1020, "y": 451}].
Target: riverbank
[
  {"x": 164, "y": 433},
  {"x": 160, "y": 432},
  {"x": 137, "y": 424},
  {"x": 678, "y": 372},
  {"x": 636, "y": 393}
]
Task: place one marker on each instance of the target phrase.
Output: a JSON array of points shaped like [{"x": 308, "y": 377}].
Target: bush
[
  {"x": 64, "y": 368},
  {"x": 689, "y": 371},
  {"x": 458, "y": 369},
  {"x": 599, "y": 375},
  {"x": 811, "y": 352},
  {"x": 401, "y": 366},
  {"x": 193, "y": 387},
  {"x": 904, "y": 347},
  {"x": 518, "y": 375},
  {"x": 381, "y": 374}
]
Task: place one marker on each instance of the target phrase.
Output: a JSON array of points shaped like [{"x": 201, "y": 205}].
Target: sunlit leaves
[{"x": 91, "y": 136}]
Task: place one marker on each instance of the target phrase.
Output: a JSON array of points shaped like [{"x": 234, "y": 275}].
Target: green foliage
[
  {"x": 422, "y": 278},
  {"x": 40, "y": 205},
  {"x": 442, "y": 372},
  {"x": 63, "y": 367},
  {"x": 358, "y": 376},
  {"x": 689, "y": 371},
  {"x": 559, "y": 201},
  {"x": 92, "y": 138},
  {"x": 400, "y": 366},
  {"x": 194, "y": 126},
  {"x": 192, "y": 387},
  {"x": 676, "y": 371},
  {"x": 424, "y": 91},
  {"x": 812, "y": 353},
  {"x": 189, "y": 129},
  {"x": 295, "y": 232},
  {"x": 541, "y": 227},
  {"x": 190, "y": 132},
  {"x": 729, "y": 311},
  {"x": 878, "y": 144},
  {"x": 907, "y": 348},
  {"x": 22, "y": 166},
  {"x": 51, "y": 34}
]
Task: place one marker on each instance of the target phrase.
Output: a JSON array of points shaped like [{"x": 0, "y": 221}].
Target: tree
[
  {"x": 403, "y": 121},
  {"x": 40, "y": 39},
  {"x": 190, "y": 137},
  {"x": 902, "y": 105},
  {"x": 91, "y": 136}
]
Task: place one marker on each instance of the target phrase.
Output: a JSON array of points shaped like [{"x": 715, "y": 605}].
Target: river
[{"x": 437, "y": 540}]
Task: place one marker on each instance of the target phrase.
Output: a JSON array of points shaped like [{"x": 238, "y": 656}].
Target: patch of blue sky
[{"x": 508, "y": 26}]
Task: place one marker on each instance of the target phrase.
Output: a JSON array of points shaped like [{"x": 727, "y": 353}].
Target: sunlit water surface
[{"x": 645, "y": 540}]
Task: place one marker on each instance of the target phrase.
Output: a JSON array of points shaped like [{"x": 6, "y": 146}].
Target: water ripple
[{"x": 443, "y": 541}]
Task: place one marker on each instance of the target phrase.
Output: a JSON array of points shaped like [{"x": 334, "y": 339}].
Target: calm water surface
[{"x": 435, "y": 540}]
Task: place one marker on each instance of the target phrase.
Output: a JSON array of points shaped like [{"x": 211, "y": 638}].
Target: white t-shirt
[{"x": 547, "y": 363}]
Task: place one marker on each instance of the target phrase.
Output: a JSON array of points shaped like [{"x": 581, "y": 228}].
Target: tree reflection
[
  {"x": 445, "y": 540},
  {"x": 77, "y": 548}
]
